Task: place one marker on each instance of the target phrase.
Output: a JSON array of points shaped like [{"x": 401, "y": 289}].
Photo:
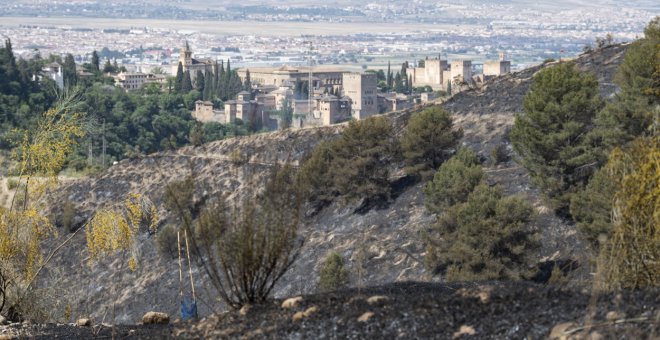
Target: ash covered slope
[{"x": 390, "y": 236}]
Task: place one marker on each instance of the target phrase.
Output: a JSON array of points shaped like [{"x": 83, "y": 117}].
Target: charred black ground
[{"x": 415, "y": 310}]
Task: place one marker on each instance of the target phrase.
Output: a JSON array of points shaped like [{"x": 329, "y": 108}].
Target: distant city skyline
[{"x": 357, "y": 33}]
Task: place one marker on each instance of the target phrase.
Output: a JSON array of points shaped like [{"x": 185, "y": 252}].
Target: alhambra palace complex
[{"x": 357, "y": 93}]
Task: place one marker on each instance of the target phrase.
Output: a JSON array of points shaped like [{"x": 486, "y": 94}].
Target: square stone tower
[
  {"x": 361, "y": 89},
  {"x": 462, "y": 69}
]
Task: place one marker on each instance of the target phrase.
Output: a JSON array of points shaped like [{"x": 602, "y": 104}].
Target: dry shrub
[
  {"x": 68, "y": 213},
  {"x": 237, "y": 158},
  {"x": 246, "y": 249},
  {"x": 500, "y": 154},
  {"x": 166, "y": 241},
  {"x": 631, "y": 256}
]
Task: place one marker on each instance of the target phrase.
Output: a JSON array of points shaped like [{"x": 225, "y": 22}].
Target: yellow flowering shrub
[{"x": 114, "y": 230}]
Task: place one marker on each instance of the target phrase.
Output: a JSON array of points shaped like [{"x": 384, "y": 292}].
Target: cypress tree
[
  {"x": 9, "y": 62},
  {"x": 219, "y": 79},
  {"x": 200, "y": 81},
  {"x": 69, "y": 71},
  {"x": 208, "y": 86},
  {"x": 95, "y": 61},
  {"x": 398, "y": 83},
  {"x": 235, "y": 85},
  {"x": 389, "y": 75},
  {"x": 186, "y": 85},
  {"x": 107, "y": 67},
  {"x": 247, "y": 85},
  {"x": 178, "y": 82}
]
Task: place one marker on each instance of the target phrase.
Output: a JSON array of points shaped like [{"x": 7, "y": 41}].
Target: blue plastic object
[{"x": 188, "y": 309}]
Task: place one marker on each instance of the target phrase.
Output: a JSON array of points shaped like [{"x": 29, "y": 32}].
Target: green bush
[
  {"x": 429, "y": 139},
  {"x": 12, "y": 184},
  {"x": 485, "y": 238},
  {"x": 315, "y": 177},
  {"x": 454, "y": 181},
  {"x": 550, "y": 136},
  {"x": 333, "y": 275}
]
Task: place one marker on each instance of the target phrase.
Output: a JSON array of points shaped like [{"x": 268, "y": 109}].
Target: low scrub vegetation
[{"x": 333, "y": 274}]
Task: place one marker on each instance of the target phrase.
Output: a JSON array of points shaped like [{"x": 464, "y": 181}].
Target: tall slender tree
[
  {"x": 219, "y": 79},
  {"x": 247, "y": 85},
  {"x": 200, "y": 81},
  {"x": 389, "y": 75},
  {"x": 95, "y": 61},
  {"x": 178, "y": 81},
  {"x": 186, "y": 85},
  {"x": 69, "y": 71}
]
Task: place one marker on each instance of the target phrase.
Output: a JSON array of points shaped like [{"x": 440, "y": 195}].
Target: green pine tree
[
  {"x": 485, "y": 238},
  {"x": 454, "y": 181},
  {"x": 429, "y": 139},
  {"x": 550, "y": 136}
]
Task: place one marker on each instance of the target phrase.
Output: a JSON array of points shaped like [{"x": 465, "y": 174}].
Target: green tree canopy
[
  {"x": 454, "y": 181},
  {"x": 429, "y": 139},
  {"x": 632, "y": 112},
  {"x": 550, "y": 135},
  {"x": 485, "y": 238},
  {"x": 353, "y": 166}
]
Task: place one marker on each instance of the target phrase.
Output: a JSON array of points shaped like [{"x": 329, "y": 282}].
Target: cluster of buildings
[
  {"x": 442, "y": 75},
  {"x": 337, "y": 95},
  {"x": 273, "y": 95}
]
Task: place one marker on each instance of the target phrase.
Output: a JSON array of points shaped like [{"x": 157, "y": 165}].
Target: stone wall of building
[
  {"x": 361, "y": 89},
  {"x": 497, "y": 67}
]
